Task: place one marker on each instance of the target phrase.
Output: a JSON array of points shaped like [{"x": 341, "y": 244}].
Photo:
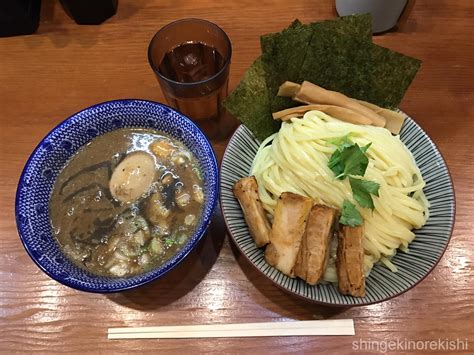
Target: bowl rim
[
  {"x": 341, "y": 305},
  {"x": 201, "y": 230}
]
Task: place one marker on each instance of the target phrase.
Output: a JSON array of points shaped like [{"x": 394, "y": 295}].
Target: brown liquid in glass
[{"x": 190, "y": 63}]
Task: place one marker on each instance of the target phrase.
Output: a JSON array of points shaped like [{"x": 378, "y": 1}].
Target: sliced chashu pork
[
  {"x": 314, "y": 251},
  {"x": 246, "y": 192},
  {"x": 350, "y": 261},
  {"x": 289, "y": 223}
]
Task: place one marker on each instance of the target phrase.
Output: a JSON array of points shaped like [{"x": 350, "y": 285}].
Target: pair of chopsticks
[{"x": 269, "y": 329}]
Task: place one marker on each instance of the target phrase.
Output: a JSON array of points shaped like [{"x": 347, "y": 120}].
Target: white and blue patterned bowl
[
  {"x": 425, "y": 251},
  {"x": 53, "y": 152}
]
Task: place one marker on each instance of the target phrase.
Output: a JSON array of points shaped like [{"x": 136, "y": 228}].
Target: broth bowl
[{"x": 59, "y": 146}]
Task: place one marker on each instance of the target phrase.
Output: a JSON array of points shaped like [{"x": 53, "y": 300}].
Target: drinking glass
[{"x": 191, "y": 60}]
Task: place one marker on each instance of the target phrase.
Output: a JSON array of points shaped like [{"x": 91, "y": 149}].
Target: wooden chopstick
[{"x": 268, "y": 329}]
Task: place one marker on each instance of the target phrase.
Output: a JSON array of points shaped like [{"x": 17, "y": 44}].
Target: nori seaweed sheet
[
  {"x": 250, "y": 102},
  {"x": 282, "y": 57},
  {"x": 339, "y": 57},
  {"x": 336, "y": 54},
  {"x": 317, "y": 52},
  {"x": 392, "y": 74}
]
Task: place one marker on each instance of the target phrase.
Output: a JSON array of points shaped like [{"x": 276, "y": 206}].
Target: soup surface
[{"x": 127, "y": 202}]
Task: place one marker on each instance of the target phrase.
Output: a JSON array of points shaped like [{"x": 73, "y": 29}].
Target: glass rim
[{"x": 195, "y": 83}]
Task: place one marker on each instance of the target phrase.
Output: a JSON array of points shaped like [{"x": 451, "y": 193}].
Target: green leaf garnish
[
  {"x": 365, "y": 147},
  {"x": 350, "y": 216},
  {"x": 335, "y": 163},
  {"x": 338, "y": 141},
  {"x": 169, "y": 242},
  {"x": 362, "y": 190},
  {"x": 349, "y": 159}
]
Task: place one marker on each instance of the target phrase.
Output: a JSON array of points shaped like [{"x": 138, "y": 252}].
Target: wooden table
[{"x": 63, "y": 68}]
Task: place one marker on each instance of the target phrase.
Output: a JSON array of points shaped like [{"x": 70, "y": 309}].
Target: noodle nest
[{"x": 295, "y": 159}]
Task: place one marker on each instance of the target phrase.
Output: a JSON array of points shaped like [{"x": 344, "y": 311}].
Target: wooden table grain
[{"x": 63, "y": 68}]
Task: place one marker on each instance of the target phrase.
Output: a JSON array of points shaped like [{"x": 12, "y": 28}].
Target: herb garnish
[
  {"x": 350, "y": 216},
  {"x": 347, "y": 161},
  {"x": 362, "y": 189}
]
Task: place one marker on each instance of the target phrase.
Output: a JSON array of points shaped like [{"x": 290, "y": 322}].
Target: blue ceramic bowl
[{"x": 54, "y": 151}]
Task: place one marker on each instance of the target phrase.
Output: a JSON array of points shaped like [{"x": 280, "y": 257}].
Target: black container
[
  {"x": 19, "y": 17},
  {"x": 90, "y": 12}
]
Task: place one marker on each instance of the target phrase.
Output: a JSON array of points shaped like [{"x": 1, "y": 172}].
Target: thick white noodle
[{"x": 296, "y": 159}]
